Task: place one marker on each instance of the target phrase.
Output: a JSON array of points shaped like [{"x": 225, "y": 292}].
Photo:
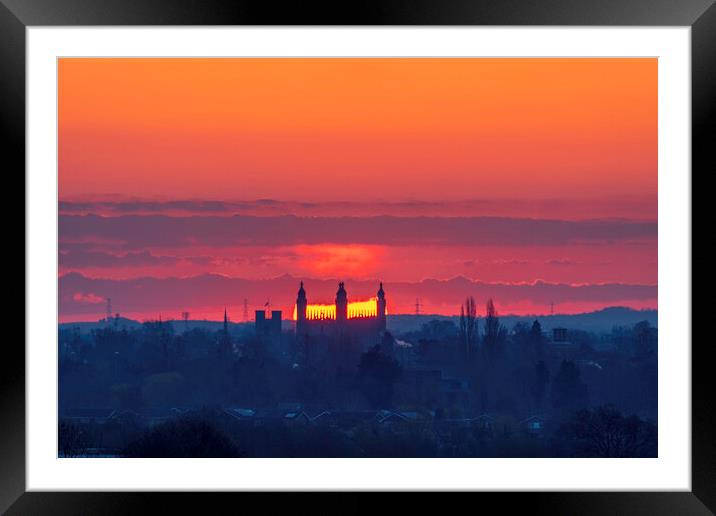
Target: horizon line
[{"x": 220, "y": 319}]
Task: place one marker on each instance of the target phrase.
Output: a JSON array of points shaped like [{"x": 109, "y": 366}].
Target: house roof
[
  {"x": 385, "y": 415},
  {"x": 484, "y": 416},
  {"x": 296, "y": 415},
  {"x": 323, "y": 414},
  {"x": 241, "y": 413},
  {"x": 532, "y": 418}
]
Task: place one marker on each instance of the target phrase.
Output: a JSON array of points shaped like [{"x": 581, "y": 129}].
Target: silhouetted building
[
  {"x": 561, "y": 347},
  {"x": 533, "y": 426},
  {"x": 346, "y": 327},
  {"x": 559, "y": 334},
  {"x": 343, "y": 316},
  {"x": 268, "y": 328}
]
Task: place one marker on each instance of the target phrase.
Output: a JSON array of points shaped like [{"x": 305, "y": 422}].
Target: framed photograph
[{"x": 409, "y": 248}]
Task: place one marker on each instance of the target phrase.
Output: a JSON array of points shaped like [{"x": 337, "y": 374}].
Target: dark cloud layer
[
  {"x": 614, "y": 207},
  {"x": 80, "y": 256},
  {"x": 147, "y": 294},
  {"x": 139, "y": 232},
  {"x": 81, "y": 259}
]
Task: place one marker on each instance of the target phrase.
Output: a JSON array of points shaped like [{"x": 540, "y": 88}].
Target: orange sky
[
  {"x": 185, "y": 183},
  {"x": 375, "y": 128}
]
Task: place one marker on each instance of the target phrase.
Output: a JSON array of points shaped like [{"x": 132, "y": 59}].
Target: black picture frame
[{"x": 17, "y": 15}]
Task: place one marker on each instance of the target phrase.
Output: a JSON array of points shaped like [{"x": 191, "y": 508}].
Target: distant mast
[{"x": 246, "y": 310}]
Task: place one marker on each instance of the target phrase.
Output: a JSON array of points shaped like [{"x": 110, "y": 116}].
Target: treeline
[
  {"x": 208, "y": 432},
  {"x": 582, "y": 388},
  {"x": 523, "y": 371},
  {"x": 518, "y": 371}
]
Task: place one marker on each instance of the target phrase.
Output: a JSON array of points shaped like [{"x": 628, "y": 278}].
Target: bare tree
[
  {"x": 605, "y": 432},
  {"x": 463, "y": 325},
  {"x": 495, "y": 333},
  {"x": 468, "y": 325},
  {"x": 71, "y": 440}
]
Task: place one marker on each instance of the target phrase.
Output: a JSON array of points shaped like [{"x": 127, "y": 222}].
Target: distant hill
[
  {"x": 130, "y": 324},
  {"x": 87, "y": 326},
  {"x": 599, "y": 321}
]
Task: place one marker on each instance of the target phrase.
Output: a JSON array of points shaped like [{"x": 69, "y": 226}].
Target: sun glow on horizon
[
  {"x": 367, "y": 308},
  {"x": 356, "y": 309}
]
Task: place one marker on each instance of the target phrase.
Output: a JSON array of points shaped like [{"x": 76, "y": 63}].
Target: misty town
[{"x": 347, "y": 379}]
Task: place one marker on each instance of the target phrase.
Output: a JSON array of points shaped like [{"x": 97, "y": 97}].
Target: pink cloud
[{"x": 89, "y": 298}]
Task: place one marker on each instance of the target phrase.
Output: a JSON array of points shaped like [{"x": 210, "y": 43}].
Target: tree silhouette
[
  {"x": 645, "y": 339},
  {"x": 568, "y": 390},
  {"x": 605, "y": 432},
  {"x": 387, "y": 343},
  {"x": 495, "y": 333},
  {"x": 71, "y": 440},
  {"x": 468, "y": 326},
  {"x": 540, "y": 383},
  {"x": 184, "y": 437},
  {"x": 536, "y": 341}
]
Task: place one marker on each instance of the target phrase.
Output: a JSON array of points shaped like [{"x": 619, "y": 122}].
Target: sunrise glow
[
  {"x": 189, "y": 184},
  {"x": 356, "y": 309}
]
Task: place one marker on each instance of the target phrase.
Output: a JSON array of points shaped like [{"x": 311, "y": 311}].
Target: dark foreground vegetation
[{"x": 473, "y": 389}]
